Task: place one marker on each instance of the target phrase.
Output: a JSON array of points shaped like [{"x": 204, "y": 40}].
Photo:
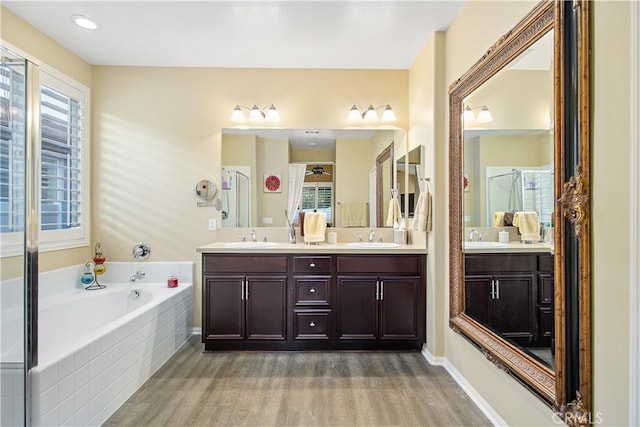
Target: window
[
  {"x": 318, "y": 197},
  {"x": 63, "y": 160},
  {"x": 12, "y": 138},
  {"x": 63, "y": 163}
]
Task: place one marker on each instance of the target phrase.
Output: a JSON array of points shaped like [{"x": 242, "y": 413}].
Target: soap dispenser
[{"x": 87, "y": 277}]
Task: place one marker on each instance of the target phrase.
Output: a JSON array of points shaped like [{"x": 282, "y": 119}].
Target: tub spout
[{"x": 139, "y": 275}]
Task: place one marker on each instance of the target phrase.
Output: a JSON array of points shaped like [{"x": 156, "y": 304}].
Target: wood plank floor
[{"x": 298, "y": 389}]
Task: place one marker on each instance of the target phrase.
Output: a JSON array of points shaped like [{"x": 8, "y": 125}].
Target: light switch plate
[{"x": 212, "y": 224}]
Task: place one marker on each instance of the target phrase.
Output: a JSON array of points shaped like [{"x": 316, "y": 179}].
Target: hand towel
[
  {"x": 528, "y": 224},
  {"x": 422, "y": 214},
  {"x": 315, "y": 225},
  {"x": 393, "y": 215},
  {"x": 354, "y": 214},
  {"x": 498, "y": 219}
]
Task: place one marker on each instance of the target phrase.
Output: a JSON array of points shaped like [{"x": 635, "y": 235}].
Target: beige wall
[
  {"x": 273, "y": 158},
  {"x": 352, "y": 173},
  {"x": 45, "y": 52},
  {"x": 610, "y": 165},
  {"x": 427, "y": 127}
]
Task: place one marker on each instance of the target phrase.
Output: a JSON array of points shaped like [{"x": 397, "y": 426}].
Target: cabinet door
[
  {"x": 478, "y": 300},
  {"x": 357, "y": 308},
  {"x": 399, "y": 308},
  {"x": 266, "y": 308},
  {"x": 514, "y": 306},
  {"x": 223, "y": 308}
]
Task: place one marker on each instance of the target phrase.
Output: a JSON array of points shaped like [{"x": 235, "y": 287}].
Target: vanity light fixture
[
  {"x": 255, "y": 114},
  {"x": 370, "y": 114},
  {"x": 484, "y": 116},
  {"x": 84, "y": 22}
]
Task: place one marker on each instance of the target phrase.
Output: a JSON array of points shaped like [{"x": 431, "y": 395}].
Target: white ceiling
[{"x": 266, "y": 34}]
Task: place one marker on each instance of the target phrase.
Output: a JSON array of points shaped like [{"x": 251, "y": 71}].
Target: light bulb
[
  {"x": 354, "y": 115},
  {"x": 388, "y": 115},
  {"x": 237, "y": 116},
  {"x": 484, "y": 116},
  {"x": 255, "y": 115},
  {"x": 370, "y": 115},
  {"x": 272, "y": 114}
]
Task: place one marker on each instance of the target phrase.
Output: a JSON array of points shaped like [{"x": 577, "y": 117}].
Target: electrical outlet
[{"x": 212, "y": 224}]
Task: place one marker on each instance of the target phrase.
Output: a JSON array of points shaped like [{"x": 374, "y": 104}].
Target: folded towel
[
  {"x": 393, "y": 215},
  {"x": 354, "y": 214},
  {"x": 422, "y": 214},
  {"x": 315, "y": 225},
  {"x": 528, "y": 224},
  {"x": 498, "y": 219}
]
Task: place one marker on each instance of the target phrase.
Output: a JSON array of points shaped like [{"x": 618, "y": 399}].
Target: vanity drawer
[
  {"x": 242, "y": 264},
  {"x": 380, "y": 264},
  {"x": 312, "y": 290},
  {"x": 312, "y": 324},
  {"x": 499, "y": 263},
  {"x": 311, "y": 265}
]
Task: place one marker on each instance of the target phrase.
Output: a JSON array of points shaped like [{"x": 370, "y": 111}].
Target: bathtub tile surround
[{"x": 83, "y": 376}]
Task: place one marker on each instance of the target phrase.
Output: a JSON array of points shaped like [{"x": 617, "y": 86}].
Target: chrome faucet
[
  {"x": 474, "y": 233},
  {"x": 253, "y": 235},
  {"x": 139, "y": 275},
  {"x": 371, "y": 233}
]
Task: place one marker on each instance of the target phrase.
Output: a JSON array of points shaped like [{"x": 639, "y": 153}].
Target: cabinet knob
[
  {"x": 312, "y": 324},
  {"x": 312, "y": 265},
  {"x": 312, "y": 290}
]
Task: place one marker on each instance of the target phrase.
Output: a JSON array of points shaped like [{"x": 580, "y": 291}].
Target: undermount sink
[
  {"x": 372, "y": 245},
  {"x": 480, "y": 245},
  {"x": 250, "y": 245}
]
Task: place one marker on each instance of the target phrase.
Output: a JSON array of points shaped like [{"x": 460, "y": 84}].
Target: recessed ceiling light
[{"x": 84, "y": 22}]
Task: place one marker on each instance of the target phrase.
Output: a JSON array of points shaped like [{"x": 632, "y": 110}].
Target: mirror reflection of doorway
[
  {"x": 236, "y": 196},
  {"x": 384, "y": 183}
]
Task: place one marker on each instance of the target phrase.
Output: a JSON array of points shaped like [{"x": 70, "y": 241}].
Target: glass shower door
[{"x": 13, "y": 287}]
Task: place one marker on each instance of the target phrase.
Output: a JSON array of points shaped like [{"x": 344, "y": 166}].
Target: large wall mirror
[
  {"x": 350, "y": 174},
  {"x": 519, "y": 196}
]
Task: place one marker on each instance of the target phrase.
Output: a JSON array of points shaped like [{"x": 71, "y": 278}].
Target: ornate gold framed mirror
[{"x": 519, "y": 206}]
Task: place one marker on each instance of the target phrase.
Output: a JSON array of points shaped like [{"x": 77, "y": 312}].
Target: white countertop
[
  {"x": 512, "y": 247},
  {"x": 322, "y": 248}
]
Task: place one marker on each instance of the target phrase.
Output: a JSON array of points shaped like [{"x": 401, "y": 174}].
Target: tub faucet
[{"x": 139, "y": 275}]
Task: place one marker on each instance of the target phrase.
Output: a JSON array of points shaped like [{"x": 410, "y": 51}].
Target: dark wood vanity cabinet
[
  {"x": 511, "y": 293},
  {"x": 241, "y": 308},
  {"x": 381, "y": 300},
  {"x": 325, "y": 302}
]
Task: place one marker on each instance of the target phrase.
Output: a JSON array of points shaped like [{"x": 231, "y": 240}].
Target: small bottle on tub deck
[{"x": 172, "y": 281}]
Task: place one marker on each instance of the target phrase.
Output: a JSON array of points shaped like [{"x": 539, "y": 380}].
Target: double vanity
[{"x": 345, "y": 296}]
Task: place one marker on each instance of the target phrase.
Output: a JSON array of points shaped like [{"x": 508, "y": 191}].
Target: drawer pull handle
[
  {"x": 312, "y": 290},
  {"x": 312, "y": 324},
  {"x": 312, "y": 265}
]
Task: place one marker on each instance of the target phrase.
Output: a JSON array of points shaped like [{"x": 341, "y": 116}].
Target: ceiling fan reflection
[{"x": 317, "y": 170}]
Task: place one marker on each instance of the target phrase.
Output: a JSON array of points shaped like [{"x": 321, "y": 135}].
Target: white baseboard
[
  {"x": 482, "y": 404},
  {"x": 196, "y": 330},
  {"x": 433, "y": 360}
]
